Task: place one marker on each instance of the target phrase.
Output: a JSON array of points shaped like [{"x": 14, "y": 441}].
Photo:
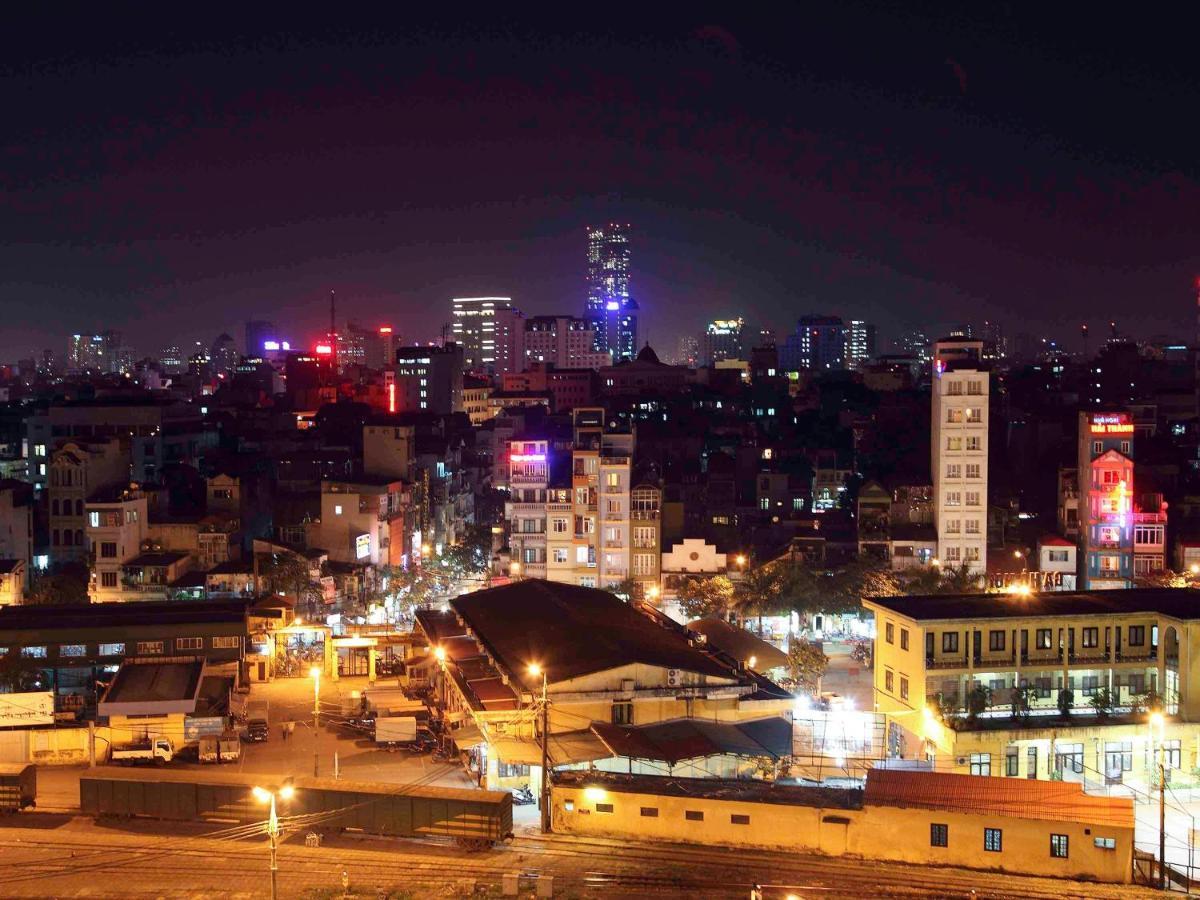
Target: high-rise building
[
  {"x": 428, "y": 379},
  {"x": 490, "y": 331},
  {"x": 224, "y": 355},
  {"x": 171, "y": 360},
  {"x": 860, "y": 343},
  {"x": 722, "y": 339},
  {"x": 688, "y": 351},
  {"x": 565, "y": 342},
  {"x": 914, "y": 344},
  {"x": 995, "y": 346},
  {"x": 258, "y": 333},
  {"x": 609, "y": 303},
  {"x": 379, "y": 348},
  {"x": 959, "y": 454},
  {"x": 87, "y": 354},
  {"x": 351, "y": 346},
  {"x": 818, "y": 343},
  {"x": 1106, "y": 499}
]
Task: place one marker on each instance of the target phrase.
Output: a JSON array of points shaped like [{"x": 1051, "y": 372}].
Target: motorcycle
[{"x": 522, "y": 796}]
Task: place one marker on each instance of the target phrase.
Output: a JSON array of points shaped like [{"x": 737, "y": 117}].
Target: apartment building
[
  {"x": 645, "y": 503},
  {"x": 959, "y": 451},
  {"x": 116, "y": 530},
  {"x": 16, "y": 540},
  {"x": 362, "y": 521},
  {"x": 80, "y": 470},
  {"x": 528, "y": 482},
  {"x": 979, "y": 683}
]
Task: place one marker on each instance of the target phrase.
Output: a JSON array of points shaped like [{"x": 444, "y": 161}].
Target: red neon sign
[
  {"x": 391, "y": 389},
  {"x": 386, "y": 329},
  {"x": 323, "y": 349},
  {"x": 1113, "y": 428}
]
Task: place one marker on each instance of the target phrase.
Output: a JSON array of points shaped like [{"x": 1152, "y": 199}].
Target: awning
[
  {"x": 467, "y": 736},
  {"x": 565, "y": 748}
]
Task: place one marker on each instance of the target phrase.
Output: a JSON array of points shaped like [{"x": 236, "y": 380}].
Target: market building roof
[
  {"x": 681, "y": 739},
  {"x": 1017, "y": 797},
  {"x": 570, "y": 631}
]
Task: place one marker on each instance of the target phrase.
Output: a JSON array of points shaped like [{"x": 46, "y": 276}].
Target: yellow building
[
  {"x": 980, "y": 683},
  {"x": 603, "y": 661}
]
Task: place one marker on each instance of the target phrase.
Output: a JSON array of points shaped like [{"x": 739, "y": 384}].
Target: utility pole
[
  {"x": 1162, "y": 818},
  {"x": 545, "y": 757},
  {"x": 273, "y": 834}
]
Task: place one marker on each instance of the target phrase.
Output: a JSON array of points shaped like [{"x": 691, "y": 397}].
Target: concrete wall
[{"x": 878, "y": 832}]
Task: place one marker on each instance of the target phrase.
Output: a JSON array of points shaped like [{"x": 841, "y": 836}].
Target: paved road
[{"x": 71, "y": 857}]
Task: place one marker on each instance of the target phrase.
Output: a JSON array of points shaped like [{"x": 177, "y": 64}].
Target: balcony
[
  {"x": 944, "y": 663},
  {"x": 645, "y": 515}
]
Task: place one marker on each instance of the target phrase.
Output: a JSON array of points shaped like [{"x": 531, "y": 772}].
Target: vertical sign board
[{"x": 33, "y": 708}]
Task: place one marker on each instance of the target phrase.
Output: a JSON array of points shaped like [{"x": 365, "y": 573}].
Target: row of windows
[
  {"x": 651, "y": 812},
  {"x": 889, "y": 680},
  {"x": 1135, "y": 636},
  {"x": 971, "y": 442},
  {"x": 974, "y": 387},
  {"x": 993, "y": 841},
  {"x": 970, "y": 415},
  {"x": 955, "y": 526},
  {"x": 955, "y": 470},
  {"x": 141, "y": 648},
  {"x": 964, "y": 554},
  {"x": 955, "y": 498}
]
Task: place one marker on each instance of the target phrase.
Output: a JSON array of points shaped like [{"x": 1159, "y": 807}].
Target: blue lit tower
[{"x": 608, "y": 302}]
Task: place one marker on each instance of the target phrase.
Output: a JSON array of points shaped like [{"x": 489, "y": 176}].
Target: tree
[
  {"x": 627, "y": 590},
  {"x": 1066, "y": 701},
  {"x": 979, "y": 698},
  {"x": 1022, "y": 698},
  {"x": 67, "y": 584},
  {"x": 1102, "y": 703},
  {"x": 807, "y": 662},
  {"x": 288, "y": 573},
  {"x": 759, "y": 591},
  {"x": 14, "y": 677},
  {"x": 702, "y": 598},
  {"x": 943, "y": 579}
]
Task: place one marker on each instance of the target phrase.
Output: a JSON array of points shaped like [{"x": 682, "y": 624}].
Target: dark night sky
[{"x": 170, "y": 178}]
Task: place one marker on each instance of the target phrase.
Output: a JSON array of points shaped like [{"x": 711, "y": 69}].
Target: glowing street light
[
  {"x": 1194, "y": 568},
  {"x": 544, "y": 794},
  {"x": 652, "y": 592},
  {"x": 514, "y": 569},
  {"x": 262, "y": 795},
  {"x": 439, "y": 654},
  {"x": 740, "y": 559}
]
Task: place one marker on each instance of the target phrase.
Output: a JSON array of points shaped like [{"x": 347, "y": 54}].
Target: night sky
[{"x": 170, "y": 178}]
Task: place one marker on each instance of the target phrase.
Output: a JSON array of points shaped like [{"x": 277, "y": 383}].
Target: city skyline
[{"x": 1015, "y": 208}]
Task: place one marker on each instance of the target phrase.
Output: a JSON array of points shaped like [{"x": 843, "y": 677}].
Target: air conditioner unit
[
  {"x": 673, "y": 678},
  {"x": 960, "y": 760}
]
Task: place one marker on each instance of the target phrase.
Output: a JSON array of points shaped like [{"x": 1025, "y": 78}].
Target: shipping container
[
  {"x": 18, "y": 786},
  {"x": 474, "y": 818}
]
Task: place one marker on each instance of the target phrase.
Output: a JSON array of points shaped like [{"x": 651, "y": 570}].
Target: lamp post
[
  {"x": 544, "y": 794},
  {"x": 315, "y": 672},
  {"x": 1157, "y": 721},
  {"x": 514, "y": 570},
  {"x": 262, "y": 795}
]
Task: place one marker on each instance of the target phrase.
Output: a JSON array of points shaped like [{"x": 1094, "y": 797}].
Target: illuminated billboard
[
  {"x": 1110, "y": 423},
  {"x": 362, "y": 546}
]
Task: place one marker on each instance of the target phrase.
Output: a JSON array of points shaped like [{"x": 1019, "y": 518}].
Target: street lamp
[
  {"x": 652, "y": 592},
  {"x": 1194, "y": 568},
  {"x": 544, "y": 794},
  {"x": 740, "y": 559},
  {"x": 262, "y": 795},
  {"x": 514, "y": 569},
  {"x": 315, "y": 672},
  {"x": 1157, "y": 721}
]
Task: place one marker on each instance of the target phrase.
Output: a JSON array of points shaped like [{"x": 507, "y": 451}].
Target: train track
[{"x": 607, "y": 868}]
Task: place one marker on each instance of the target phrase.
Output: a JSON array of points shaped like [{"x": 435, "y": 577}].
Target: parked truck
[
  {"x": 224, "y": 748},
  {"x": 150, "y": 750},
  {"x": 18, "y": 786},
  {"x": 257, "y": 728},
  {"x": 395, "y": 730}
]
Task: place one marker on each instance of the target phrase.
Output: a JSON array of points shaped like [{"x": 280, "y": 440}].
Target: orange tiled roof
[{"x": 1019, "y": 798}]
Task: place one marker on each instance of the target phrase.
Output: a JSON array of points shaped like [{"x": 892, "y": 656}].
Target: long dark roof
[
  {"x": 572, "y": 631},
  {"x": 1179, "y": 603},
  {"x": 169, "y": 612}
]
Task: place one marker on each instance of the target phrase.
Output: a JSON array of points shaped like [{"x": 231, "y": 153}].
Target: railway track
[{"x": 606, "y": 868}]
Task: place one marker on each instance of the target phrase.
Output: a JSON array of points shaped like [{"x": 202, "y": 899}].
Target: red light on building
[
  {"x": 391, "y": 391},
  {"x": 386, "y": 329},
  {"x": 323, "y": 349}
]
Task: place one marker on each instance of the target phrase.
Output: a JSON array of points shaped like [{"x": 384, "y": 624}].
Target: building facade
[
  {"x": 491, "y": 332},
  {"x": 564, "y": 342},
  {"x": 1105, "y": 481},
  {"x": 959, "y": 461},
  {"x": 609, "y": 304}
]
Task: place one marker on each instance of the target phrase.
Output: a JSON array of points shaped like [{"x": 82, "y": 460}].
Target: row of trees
[
  {"x": 784, "y": 585},
  {"x": 981, "y": 698}
]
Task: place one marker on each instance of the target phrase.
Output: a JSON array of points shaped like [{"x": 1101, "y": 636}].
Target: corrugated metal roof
[
  {"x": 681, "y": 739},
  {"x": 1018, "y": 798}
]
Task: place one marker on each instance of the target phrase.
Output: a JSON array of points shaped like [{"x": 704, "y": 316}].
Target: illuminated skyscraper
[
  {"x": 490, "y": 331},
  {"x": 609, "y": 303},
  {"x": 860, "y": 343},
  {"x": 722, "y": 339}
]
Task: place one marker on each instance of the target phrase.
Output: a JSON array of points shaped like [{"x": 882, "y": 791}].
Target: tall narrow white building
[{"x": 959, "y": 453}]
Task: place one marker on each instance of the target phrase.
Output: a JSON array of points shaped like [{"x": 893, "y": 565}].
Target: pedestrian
[
  {"x": 283, "y": 730},
  {"x": 291, "y": 728}
]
